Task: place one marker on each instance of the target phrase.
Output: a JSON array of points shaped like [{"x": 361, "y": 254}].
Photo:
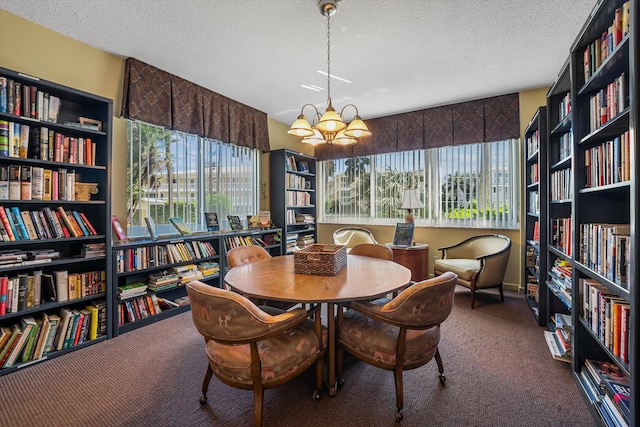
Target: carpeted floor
[{"x": 499, "y": 373}]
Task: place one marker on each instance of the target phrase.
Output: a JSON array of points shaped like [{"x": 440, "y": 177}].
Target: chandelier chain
[{"x": 328, "y": 58}]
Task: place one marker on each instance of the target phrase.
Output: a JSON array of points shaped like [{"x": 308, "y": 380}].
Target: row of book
[
  {"x": 608, "y": 102},
  {"x": 138, "y": 308},
  {"x": 25, "y": 182},
  {"x": 26, "y": 100},
  {"x": 533, "y": 143},
  {"x": 236, "y": 241},
  {"x": 607, "y": 315},
  {"x": 142, "y": 307},
  {"x": 534, "y": 202},
  {"x": 534, "y": 173},
  {"x": 293, "y": 217},
  {"x": 34, "y": 338},
  {"x": 298, "y": 182},
  {"x": 609, "y": 388},
  {"x": 298, "y": 198},
  {"x": 46, "y": 223},
  {"x": 605, "y": 248},
  {"x": 601, "y": 48},
  {"x": 560, "y": 281},
  {"x": 24, "y": 291},
  {"x": 561, "y": 184},
  {"x": 21, "y": 140},
  {"x": 608, "y": 163},
  {"x": 558, "y": 339},
  {"x": 564, "y": 108},
  {"x": 561, "y": 235},
  {"x": 565, "y": 145},
  {"x": 140, "y": 258}
]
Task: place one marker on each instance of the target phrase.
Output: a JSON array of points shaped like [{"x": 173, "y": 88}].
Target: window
[
  {"x": 474, "y": 185},
  {"x": 174, "y": 174}
]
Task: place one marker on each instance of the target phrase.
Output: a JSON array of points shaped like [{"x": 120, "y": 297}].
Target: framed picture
[{"x": 304, "y": 167}]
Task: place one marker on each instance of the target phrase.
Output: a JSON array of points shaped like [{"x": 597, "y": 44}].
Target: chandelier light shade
[
  {"x": 329, "y": 127},
  {"x": 410, "y": 201}
]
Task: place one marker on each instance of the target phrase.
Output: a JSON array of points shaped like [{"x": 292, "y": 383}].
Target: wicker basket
[
  {"x": 84, "y": 190},
  {"x": 321, "y": 260}
]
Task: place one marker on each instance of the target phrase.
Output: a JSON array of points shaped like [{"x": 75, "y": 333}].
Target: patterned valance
[
  {"x": 484, "y": 120},
  {"x": 155, "y": 96}
]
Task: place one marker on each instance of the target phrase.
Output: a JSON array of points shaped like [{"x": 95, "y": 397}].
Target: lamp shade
[
  {"x": 300, "y": 127},
  {"x": 357, "y": 128},
  {"x": 411, "y": 199},
  {"x": 331, "y": 121},
  {"x": 343, "y": 139},
  {"x": 314, "y": 139}
]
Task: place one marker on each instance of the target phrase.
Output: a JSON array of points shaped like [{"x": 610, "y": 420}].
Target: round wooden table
[{"x": 363, "y": 278}]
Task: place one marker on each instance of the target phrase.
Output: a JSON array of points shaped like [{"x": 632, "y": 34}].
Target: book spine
[
  {"x": 7, "y": 224},
  {"x": 17, "y": 218}
]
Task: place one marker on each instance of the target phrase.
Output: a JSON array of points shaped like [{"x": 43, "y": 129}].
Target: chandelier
[{"x": 329, "y": 127}]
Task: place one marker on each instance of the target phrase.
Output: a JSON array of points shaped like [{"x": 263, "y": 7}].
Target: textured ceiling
[{"x": 400, "y": 55}]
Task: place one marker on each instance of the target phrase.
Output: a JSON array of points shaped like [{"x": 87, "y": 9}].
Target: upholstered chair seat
[
  {"x": 398, "y": 334},
  {"x": 255, "y": 349}
]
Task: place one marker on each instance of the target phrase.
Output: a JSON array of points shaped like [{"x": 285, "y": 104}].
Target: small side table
[{"x": 415, "y": 258}]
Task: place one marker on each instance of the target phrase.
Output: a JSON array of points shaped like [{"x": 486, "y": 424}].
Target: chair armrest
[{"x": 372, "y": 311}]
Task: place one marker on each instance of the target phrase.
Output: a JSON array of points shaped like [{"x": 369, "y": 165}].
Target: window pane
[
  {"x": 475, "y": 185},
  {"x": 177, "y": 174}
]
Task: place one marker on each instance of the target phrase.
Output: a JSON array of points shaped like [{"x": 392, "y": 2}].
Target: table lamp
[{"x": 410, "y": 201}]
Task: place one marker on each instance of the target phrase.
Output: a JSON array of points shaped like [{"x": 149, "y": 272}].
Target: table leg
[{"x": 331, "y": 323}]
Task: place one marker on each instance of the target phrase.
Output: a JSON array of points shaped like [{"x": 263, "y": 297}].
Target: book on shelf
[
  {"x": 151, "y": 226},
  {"x": 403, "y": 235},
  {"x": 211, "y": 220},
  {"x": 180, "y": 225},
  {"x": 27, "y": 323},
  {"x": 253, "y": 222},
  {"x": 16, "y": 333},
  {"x": 235, "y": 222},
  {"x": 117, "y": 228},
  {"x": 264, "y": 218}
]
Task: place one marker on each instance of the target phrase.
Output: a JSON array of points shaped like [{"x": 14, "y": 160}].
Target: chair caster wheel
[
  {"x": 399, "y": 416},
  {"x": 340, "y": 382},
  {"x": 203, "y": 399},
  {"x": 442, "y": 379},
  {"x": 316, "y": 395}
]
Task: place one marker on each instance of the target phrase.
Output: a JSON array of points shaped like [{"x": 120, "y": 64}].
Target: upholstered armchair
[
  {"x": 251, "y": 349},
  {"x": 480, "y": 262},
  {"x": 374, "y": 250},
  {"x": 351, "y": 236},
  {"x": 398, "y": 334}
]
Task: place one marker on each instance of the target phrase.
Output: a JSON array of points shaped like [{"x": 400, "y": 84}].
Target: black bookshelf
[
  {"x": 293, "y": 198},
  {"x": 83, "y": 123}
]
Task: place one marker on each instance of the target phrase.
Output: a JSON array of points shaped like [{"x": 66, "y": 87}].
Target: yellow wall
[{"x": 52, "y": 56}]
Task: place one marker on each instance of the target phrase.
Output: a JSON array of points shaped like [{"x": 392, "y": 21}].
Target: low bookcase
[{"x": 150, "y": 274}]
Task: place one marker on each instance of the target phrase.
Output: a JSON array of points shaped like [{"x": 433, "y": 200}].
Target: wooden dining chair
[
  {"x": 398, "y": 334},
  {"x": 250, "y": 349}
]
